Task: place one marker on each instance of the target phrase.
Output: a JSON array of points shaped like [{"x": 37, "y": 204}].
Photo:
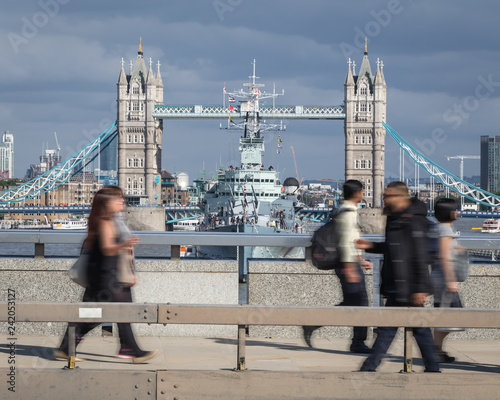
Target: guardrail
[
  {"x": 244, "y": 315},
  {"x": 176, "y": 239},
  {"x": 173, "y": 239}
]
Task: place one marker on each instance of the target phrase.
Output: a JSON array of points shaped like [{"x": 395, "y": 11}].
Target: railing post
[
  {"x": 39, "y": 250},
  {"x": 377, "y": 298},
  {"x": 175, "y": 252},
  {"x": 72, "y": 346},
  {"x": 241, "y": 348},
  {"x": 408, "y": 362},
  {"x": 308, "y": 254}
]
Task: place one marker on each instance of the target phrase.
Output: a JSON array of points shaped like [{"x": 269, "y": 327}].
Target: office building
[
  {"x": 490, "y": 163},
  {"x": 7, "y": 156}
]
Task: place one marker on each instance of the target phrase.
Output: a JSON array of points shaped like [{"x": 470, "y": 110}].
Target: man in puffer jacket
[{"x": 405, "y": 272}]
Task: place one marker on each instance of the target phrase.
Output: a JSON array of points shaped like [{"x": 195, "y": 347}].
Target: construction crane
[
  {"x": 57, "y": 144},
  {"x": 462, "y": 158}
]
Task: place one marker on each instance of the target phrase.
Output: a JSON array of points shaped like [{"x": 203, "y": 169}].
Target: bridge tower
[
  {"x": 365, "y": 99},
  {"x": 139, "y": 133}
]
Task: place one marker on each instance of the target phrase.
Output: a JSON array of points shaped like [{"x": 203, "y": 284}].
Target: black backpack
[{"x": 324, "y": 247}]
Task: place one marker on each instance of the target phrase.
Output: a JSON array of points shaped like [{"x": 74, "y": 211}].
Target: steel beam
[
  {"x": 80, "y": 383},
  {"x": 273, "y": 385},
  {"x": 328, "y": 316},
  {"x": 410, "y": 317},
  {"x": 82, "y": 312}
]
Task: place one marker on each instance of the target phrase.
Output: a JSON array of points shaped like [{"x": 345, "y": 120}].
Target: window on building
[
  {"x": 363, "y": 106},
  {"x": 357, "y": 164},
  {"x": 141, "y": 138},
  {"x": 363, "y": 89},
  {"x": 135, "y": 106},
  {"x": 129, "y": 139},
  {"x": 356, "y": 139},
  {"x": 362, "y": 140},
  {"x": 363, "y": 164},
  {"x": 135, "y": 138},
  {"x": 369, "y": 140},
  {"x": 135, "y": 90},
  {"x": 129, "y": 163}
]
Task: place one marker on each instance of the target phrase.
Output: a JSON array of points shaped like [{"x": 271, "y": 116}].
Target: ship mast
[{"x": 251, "y": 142}]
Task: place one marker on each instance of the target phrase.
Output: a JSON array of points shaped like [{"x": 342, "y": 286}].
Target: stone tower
[
  {"x": 365, "y": 109},
  {"x": 139, "y": 134}
]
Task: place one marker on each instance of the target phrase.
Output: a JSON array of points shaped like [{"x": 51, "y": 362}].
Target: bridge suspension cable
[
  {"x": 456, "y": 184},
  {"x": 62, "y": 172}
]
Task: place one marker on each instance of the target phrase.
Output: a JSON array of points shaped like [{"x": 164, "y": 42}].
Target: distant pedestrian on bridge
[
  {"x": 106, "y": 238},
  {"x": 350, "y": 272},
  {"x": 405, "y": 272},
  {"x": 443, "y": 271}
]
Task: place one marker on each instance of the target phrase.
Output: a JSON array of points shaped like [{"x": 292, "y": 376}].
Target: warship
[{"x": 250, "y": 197}]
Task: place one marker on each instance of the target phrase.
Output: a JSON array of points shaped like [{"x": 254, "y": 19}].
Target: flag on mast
[{"x": 278, "y": 150}]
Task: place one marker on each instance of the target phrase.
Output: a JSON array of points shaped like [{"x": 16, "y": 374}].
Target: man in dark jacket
[{"x": 405, "y": 273}]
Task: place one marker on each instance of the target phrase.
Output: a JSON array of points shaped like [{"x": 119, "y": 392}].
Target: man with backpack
[
  {"x": 405, "y": 274},
  {"x": 349, "y": 271}
]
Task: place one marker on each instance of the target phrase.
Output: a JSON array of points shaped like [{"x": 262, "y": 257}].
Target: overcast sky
[{"x": 61, "y": 60}]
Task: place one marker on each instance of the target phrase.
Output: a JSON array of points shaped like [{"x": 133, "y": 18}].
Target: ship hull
[{"x": 265, "y": 252}]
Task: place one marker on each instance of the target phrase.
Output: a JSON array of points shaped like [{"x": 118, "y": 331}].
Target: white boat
[
  {"x": 186, "y": 225},
  {"x": 33, "y": 224},
  {"x": 491, "y": 226},
  {"x": 70, "y": 223}
]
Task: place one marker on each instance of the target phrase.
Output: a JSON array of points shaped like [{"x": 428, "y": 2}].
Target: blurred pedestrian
[
  {"x": 349, "y": 271},
  {"x": 106, "y": 238},
  {"x": 405, "y": 275},
  {"x": 443, "y": 272}
]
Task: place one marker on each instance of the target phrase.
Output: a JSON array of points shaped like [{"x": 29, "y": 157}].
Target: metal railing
[
  {"x": 176, "y": 239},
  {"x": 245, "y": 315}
]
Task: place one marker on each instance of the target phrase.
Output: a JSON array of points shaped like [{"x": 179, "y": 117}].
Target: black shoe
[
  {"x": 308, "y": 331},
  {"x": 360, "y": 348},
  {"x": 443, "y": 357}
]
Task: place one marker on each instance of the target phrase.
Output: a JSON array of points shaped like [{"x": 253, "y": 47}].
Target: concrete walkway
[{"x": 211, "y": 354}]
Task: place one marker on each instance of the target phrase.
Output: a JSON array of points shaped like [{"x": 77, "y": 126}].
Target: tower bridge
[
  {"x": 141, "y": 113},
  {"x": 139, "y": 127}
]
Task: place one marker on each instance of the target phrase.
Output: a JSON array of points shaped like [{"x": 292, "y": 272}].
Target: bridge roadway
[
  {"x": 276, "y": 368},
  {"x": 202, "y": 368}
]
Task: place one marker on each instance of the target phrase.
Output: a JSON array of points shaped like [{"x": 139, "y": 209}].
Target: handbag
[
  {"x": 461, "y": 264},
  {"x": 126, "y": 268},
  {"x": 79, "y": 270}
]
